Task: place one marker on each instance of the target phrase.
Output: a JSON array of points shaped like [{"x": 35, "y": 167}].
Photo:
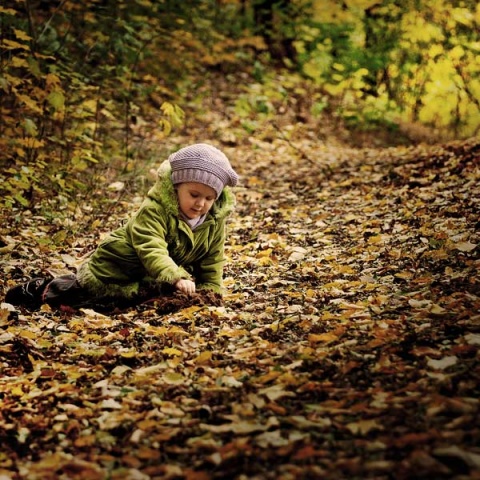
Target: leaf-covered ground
[{"x": 347, "y": 345}]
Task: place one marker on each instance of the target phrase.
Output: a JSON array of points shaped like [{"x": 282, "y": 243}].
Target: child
[{"x": 175, "y": 241}]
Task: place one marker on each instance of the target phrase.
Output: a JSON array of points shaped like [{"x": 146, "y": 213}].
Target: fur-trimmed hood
[{"x": 164, "y": 192}]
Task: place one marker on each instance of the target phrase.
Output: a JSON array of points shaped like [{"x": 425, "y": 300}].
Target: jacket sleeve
[
  {"x": 148, "y": 231},
  {"x": 209, "y": 271}
]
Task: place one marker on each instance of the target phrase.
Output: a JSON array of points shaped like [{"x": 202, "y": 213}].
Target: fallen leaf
[
  {"x": 443, "y": 363},
  {"x": 465, "y": 246}
]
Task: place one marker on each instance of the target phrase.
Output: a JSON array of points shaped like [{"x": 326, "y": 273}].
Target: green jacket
[{"x": 157, "y": 245}]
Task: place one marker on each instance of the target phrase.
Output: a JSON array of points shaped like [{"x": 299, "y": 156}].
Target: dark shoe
[{"x": 29, "y": 294}]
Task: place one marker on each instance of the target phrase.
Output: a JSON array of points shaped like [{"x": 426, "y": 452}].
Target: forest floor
[{"x": 347, "y": 345}]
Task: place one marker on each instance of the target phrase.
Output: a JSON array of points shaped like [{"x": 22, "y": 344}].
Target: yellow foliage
[
  {"x": 456, "y": 53},
  {"x": 362, "y": 4},
  {"x": 318, "y": 65},
  {"x": 463, "y": 16},
  {"x": 435, "y": 50},
  {"x": 89, "y": 105},
  {"x": 203, "y": 357},
  {"x": 12, "y": 45},
  {"x": 52, "y": 80},
  {"x": 8, "y": 11},
  {"x": 331, "y": 11},
  {"x": 18, "y": 62},
  {"x": 416, "y": 29},
  {"x": 21, "y": 35},
  {"x": 30, "y": 142},
  {"x": 172, "y": 351}
]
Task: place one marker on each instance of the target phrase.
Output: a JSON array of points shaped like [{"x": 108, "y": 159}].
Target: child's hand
[{"x": 185, "y": 286}]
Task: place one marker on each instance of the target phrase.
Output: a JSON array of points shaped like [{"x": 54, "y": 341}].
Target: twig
[{"x": 325, "y": 168}]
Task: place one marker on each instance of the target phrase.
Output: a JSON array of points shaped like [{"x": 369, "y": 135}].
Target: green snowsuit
[{"x": 157, "y": 246}]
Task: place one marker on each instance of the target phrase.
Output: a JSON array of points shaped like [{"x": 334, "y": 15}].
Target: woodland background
[
  {"x": 82, "y": 82},
  {"x": 348, "y": 342}
]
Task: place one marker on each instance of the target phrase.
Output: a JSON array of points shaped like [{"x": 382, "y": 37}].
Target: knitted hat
[{"x": 205, "y": 164}]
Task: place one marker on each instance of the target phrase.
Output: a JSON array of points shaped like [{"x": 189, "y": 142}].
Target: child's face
[{"x": 195, "y": 199}]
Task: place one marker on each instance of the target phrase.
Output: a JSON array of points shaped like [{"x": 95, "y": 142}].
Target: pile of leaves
[{"x": 346, "y": 346}]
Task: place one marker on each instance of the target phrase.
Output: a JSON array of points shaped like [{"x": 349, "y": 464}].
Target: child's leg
[
  {"x": 68, "y": 291},
  {"x": 65, "y": 290}
]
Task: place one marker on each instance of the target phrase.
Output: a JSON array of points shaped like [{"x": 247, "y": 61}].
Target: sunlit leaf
[{"x": 56, "y": 100}]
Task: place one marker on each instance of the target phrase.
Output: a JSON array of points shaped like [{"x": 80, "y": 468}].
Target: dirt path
[{"x": 347, "y": 345}]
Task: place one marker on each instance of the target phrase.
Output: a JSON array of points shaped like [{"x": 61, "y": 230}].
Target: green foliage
[
  {"x": 82, "y": 83},
  {"x": 417, "y": 61},
  {"x": 70, "y": 76},
  {"x": 79, "y": 81}
]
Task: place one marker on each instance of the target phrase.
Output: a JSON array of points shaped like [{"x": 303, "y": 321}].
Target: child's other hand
[{"x": 185, "y": 286}]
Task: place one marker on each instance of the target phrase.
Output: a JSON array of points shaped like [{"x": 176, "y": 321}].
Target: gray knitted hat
[{"x": 205, "y": 164}]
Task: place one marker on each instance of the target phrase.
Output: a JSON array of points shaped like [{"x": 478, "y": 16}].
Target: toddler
[{"x": 175, "y": 241}]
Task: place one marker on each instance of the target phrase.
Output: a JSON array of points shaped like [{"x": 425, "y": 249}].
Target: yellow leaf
[
  {"x": 346, "y": 269},
  {"x": 130, "y": 354},
  {"x": 8, "y": 11},
  {"x": 7, "y": 249},
  {"x": 21, "y": 35},
  {"x": 376, "y": 239},
  {"x": 264, "y": 261},
  {"x": 30, "y": 142},
  {"x": 12, "y": 45},
  {"x": 322, "y": 338},
  {"x": 89, "y": 106},
  {"x": 165, "y": 126},
  {"x": 188, "y": 313},
  {"x": 167, "y": 108},
  {"x": 177, "y": 331},
  {"x": 18, "y": 62},
  {"x": 268, "y": 377},
  {"x": 52, "y": 80},
  {"x": 233, "y": 332},
  {"x": 171, "y": 351},
  {"x": 204, "y": 357},
  {"x": 17, "y": 391},
  {"x": 289, "y": 378},
  {"x": 85, "y": 441},
  {"x": 310, "y": 293},
  {"x": 437, "y": 309},
  {"x": 29, "y": 102},
  {"x": 405, "y": 275},
  {"x": 327, "y": 316},
  {"x": 22, "y": 200},
  {"x": 28, "y": 334},
  {"x": 174, "y": 378}
]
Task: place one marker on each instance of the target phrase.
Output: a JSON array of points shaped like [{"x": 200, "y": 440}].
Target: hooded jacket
[{"x": 157, "y": 245}]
